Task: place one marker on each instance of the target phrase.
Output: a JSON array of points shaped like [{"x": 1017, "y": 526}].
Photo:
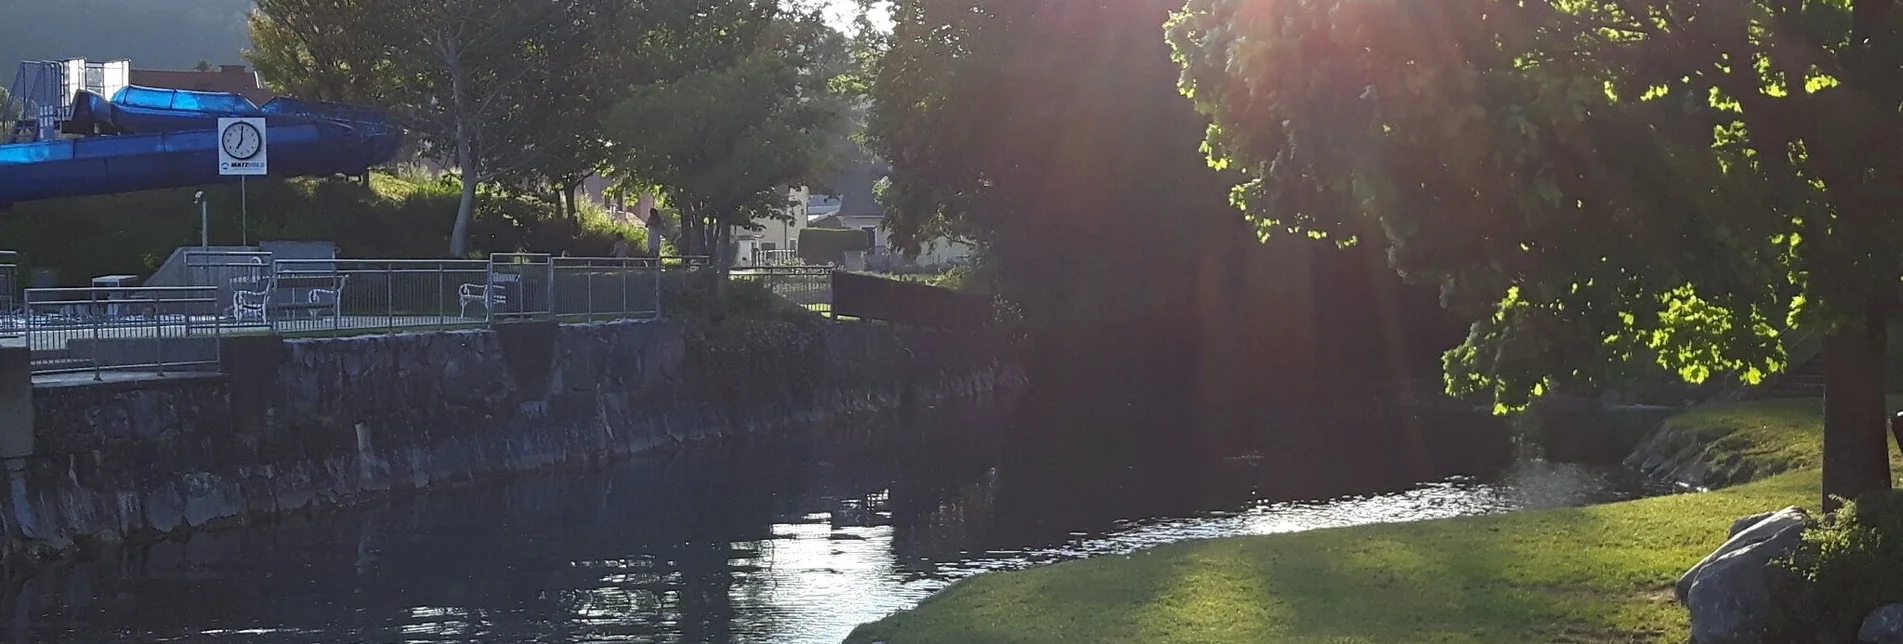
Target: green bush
[
  {"x": 1846, "y": 567},
  {"x": 404, "y": 214},
  {"x": 750, "y": 348}
]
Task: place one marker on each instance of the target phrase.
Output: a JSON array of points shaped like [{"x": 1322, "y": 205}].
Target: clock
[{"x": 242, "y": 141}]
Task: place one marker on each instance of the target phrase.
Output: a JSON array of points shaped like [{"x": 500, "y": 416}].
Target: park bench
[
  {"x": 492, "y": 293},
  {"x": 287, "y": 294}
]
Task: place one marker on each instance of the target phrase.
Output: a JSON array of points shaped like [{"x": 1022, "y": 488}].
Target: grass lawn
[{"x": 1596, "y": 574}]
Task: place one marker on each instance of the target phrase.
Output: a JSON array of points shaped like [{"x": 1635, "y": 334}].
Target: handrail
[
  {"x": 242, "y": 291},
  {"x": 80, "y": 329}
]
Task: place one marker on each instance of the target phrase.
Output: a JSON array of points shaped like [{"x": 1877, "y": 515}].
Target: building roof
[{"x": 227, "y": 78}]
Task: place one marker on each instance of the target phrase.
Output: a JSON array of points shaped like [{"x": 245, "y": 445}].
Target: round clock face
[{"x": 242, "y": 141}]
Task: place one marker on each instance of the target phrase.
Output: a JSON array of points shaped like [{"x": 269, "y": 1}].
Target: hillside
[
  {"x": 153, "y": 34},
  {"x": 406, "y": 215}
]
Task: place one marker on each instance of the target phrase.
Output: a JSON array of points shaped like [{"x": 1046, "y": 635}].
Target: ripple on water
[{"x": 589, "y": 571}]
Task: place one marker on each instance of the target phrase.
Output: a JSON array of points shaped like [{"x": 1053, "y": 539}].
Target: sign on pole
[{"x": 241, "y": 147}]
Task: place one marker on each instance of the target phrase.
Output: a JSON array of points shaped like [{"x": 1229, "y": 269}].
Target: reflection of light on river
[
  {"x": 587, "y": 559},
  {"x": 819, "y": 583}
]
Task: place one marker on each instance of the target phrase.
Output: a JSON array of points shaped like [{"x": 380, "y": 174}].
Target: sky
[{"x": 840, "y": 13}]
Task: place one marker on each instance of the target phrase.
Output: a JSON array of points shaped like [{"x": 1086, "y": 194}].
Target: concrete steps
[
  {"x": 59, "y": 360},
  {"x": 1801, "y": 381}
]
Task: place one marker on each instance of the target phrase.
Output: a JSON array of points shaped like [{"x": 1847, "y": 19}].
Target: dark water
[{"x": 761, "y": 540}]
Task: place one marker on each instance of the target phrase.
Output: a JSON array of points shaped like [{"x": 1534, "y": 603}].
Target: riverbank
[
  {"x": 294, "y": 426},
  {"x": 1593, "y": 574}
]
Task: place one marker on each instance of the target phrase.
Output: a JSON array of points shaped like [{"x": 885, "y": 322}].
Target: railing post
[
  {"x": 589, "y": 278},
  {"x": 660, "y": 271},
  {"x": 441, "y": 321},
  {"x": 389, "y": 296},
  {"x": 488, "y": 305},
  {"x": 96, "y": 316},
  {"x": 158, "y": 337}
]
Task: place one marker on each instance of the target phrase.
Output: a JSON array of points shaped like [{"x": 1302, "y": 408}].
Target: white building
[{"x": 778, "y": 242}]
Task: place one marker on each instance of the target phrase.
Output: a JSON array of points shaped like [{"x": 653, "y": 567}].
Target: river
[{"x": 789, "y": 539}]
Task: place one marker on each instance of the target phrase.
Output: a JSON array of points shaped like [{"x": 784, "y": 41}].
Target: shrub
[
  {"x": 1846, "y": 567},
  {"x": 401, "y": 214},
  {"x": 751, "y": 348}
]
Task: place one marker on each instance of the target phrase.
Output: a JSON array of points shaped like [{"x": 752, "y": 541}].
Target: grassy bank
[
  {"x": 407, "y": 214},
  {"x": 1597, "y": 574}
]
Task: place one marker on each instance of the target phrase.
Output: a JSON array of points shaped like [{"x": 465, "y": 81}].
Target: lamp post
[{"x": 204, "y": 220}]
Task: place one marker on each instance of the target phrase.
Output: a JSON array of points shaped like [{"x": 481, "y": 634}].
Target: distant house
[
  {"x": 852, "y": 204},
  {"x": 779, "y": 240},
  {"x": 227, "y": 78}
]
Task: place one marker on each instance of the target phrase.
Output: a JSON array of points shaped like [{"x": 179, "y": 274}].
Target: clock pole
[{"x": 244, "y": 211}]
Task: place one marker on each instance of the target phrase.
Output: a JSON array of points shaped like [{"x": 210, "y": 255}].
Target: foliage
[
  {"x": 1845, "y": 569},
  {"x": 327, "y": 50},
  {"x": 9, "y": 112},
  {"x": 748, "y": 348},
  {"x": 830, "y": 245},
  {"x": 724, "y": 145},
  {"x": 1049, "y": 132},
  {"x": 1590, "y": 182},
  {"x": 501, "y": 90},
  {"x": 400, "y": 215}
]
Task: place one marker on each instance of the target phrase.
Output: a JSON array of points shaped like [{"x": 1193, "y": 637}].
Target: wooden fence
[{"x": 877, "y": 298}]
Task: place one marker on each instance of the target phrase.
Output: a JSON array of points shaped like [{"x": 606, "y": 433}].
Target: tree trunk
[
  {"x": 1856, "y": 435},
  {"x": 465, "y": 150},
  {"x": 459, "y": 235},
  {"x": 568, "y": 192}
]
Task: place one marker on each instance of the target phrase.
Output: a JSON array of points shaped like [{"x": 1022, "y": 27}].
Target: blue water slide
[{"x": 145, "y": 139}]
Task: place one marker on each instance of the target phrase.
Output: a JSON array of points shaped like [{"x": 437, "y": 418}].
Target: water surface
[{"x": 762, "y": 540}]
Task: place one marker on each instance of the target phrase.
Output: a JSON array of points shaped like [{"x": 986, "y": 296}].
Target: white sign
[{"x": 241, "y": 147}]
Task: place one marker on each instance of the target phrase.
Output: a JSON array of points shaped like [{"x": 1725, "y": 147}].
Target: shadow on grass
[{"x": 1596, "y": 574}]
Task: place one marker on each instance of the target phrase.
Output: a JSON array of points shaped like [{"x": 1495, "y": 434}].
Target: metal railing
[
  {"x": 591, "y": 288},
  {"x": 775, "y": 258},
  {"x": 336, "y": 296},
  {"x": 359, "y": 295},
  {"x": 10, "y": 294},
  {"x": 175, "y": 328},
  {"x": 162, "y": 329},
  {"x": 808, "y": 286},
  {"x": 682, "y": 262}
]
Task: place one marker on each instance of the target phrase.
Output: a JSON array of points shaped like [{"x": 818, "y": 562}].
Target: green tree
[
  {"x": 454, "y": 72},
  {"x": 1050, "y": 132},
  {"x": 9, "y": 112},
  {"x": 328, "y": 50},
  {"x": 501, "y": 90},
  {"x": 725, "y": 145},
  {"x": 1591, "y": 182}
]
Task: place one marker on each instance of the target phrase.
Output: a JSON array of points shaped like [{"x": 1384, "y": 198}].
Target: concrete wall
[{"x": 309, "y": 424}]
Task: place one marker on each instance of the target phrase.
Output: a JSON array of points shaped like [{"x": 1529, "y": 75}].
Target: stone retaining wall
[{"x": 303, "y": 425}]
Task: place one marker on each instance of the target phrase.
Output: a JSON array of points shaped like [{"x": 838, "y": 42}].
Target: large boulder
[
  {"x": 1745, "y": 523},
  {"x": 1883, "y": 626},
  {"x": 1728, "y": 592}
]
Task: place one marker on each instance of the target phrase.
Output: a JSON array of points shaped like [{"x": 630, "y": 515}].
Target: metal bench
[
  {"x": 492, "y": 293},
  {"x": 313, "y": 292}
]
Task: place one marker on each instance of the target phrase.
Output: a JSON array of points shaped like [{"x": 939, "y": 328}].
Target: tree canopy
[
  {"x": 1589, "y": 181},
  {"x": 1048, "y": 132},
  {"x": 502, "y": 90},
  {"x": 725, "y": 145}
]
